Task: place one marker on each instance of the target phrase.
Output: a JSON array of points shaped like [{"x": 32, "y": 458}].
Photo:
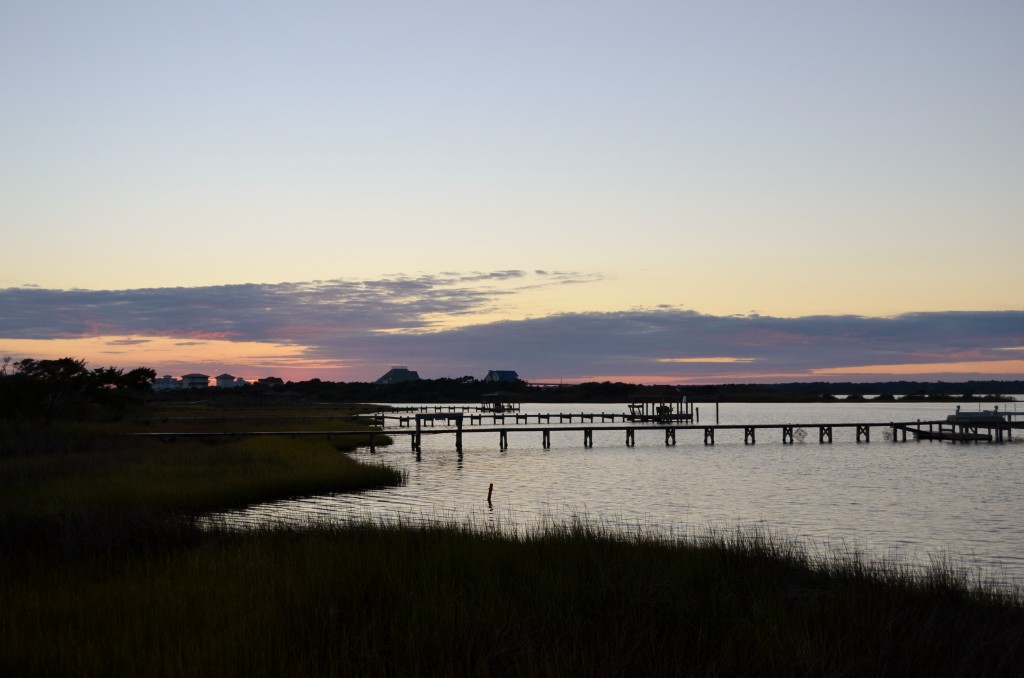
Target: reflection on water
[{"x": 909, "y": 499}]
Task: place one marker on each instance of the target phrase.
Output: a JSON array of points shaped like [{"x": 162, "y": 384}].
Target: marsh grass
[
  {"x": 464, "y": 599},
  {"x": 81, "y": 488},
  {"x": 104, "y": 572},
  {"x": 231, "y": 416}
]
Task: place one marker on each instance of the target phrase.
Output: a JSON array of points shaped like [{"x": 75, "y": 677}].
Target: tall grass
[
  {"x": 184, "y": 476},
  {"x": 574, "y": 599},
  {"x": 103, "y": 571},
  {"x": 101, "y": 491}
]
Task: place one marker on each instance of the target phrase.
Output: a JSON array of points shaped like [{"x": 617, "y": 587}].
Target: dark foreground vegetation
[
  {"x": 109, "y": 568},
  {"x": 453, "y": 600}
]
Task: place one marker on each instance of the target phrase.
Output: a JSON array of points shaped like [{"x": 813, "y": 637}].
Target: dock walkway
[{"x": 790, "y": 433}]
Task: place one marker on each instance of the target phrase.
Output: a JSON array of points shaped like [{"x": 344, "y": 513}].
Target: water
[{"x": 910, "y": 500}]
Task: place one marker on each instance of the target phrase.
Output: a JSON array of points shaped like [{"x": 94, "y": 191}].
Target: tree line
[
  {"x": 66, "y": 389},
  {"x": 470, "y": 390}
]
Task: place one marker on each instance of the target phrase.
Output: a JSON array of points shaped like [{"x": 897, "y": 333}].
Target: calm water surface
[{"x": 911, "y": 500}]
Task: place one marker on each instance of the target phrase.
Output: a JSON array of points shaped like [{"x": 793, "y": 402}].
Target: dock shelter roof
[
  {"x": 657, "y": 395},
  {"x": 500, "y": 397}
]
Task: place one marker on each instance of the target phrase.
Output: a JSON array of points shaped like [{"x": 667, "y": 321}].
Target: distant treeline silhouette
[
  {"x": 470, "y": 390},
  {"x": 66, "y": 389}
]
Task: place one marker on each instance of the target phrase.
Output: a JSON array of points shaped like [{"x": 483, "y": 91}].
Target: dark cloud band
[{"x": 376, "y": 322}]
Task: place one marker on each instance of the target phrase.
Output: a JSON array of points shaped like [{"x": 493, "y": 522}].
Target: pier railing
[{"x": 789, "y": 433}]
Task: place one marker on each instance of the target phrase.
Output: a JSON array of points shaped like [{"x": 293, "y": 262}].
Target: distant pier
[
  {"x": 790, "y": 433},
  {"x": 443, "y": 423}
]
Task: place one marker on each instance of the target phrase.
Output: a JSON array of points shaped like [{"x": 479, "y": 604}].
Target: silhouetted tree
[{"x": 66, "y": 388}]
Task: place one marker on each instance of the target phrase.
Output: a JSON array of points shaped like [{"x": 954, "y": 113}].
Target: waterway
[{"x": 912, "y": 501}]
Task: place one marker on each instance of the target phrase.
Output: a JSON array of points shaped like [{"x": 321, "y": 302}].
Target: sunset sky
[{"x": 665, "y": 192}]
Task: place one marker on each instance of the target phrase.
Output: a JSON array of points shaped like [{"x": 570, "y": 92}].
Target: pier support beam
[
  {"x": 630, "y": 437},
  {"x": 787, "y": 435},
  {"x": 545, "y": 439},
  {"x": 748, "y": 435},
  {"x": 863, "y": 431},
  {"x": 588, "y": 437},
  {"x": 503, "y": 439},
  {"x": 670, "y": 436},
  {"x": 824, "y": 434},
  {"x": 709, "y": 436}
]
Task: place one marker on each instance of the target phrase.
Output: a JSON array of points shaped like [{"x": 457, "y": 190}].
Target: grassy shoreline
[
  {"x": 104, "y": 570},
  {"x": 456, "y": 600}
]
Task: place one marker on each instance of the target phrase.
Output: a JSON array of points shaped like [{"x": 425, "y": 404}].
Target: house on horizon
[
  {"x": 494, "y": 376},
  {"x": 195, "y": 380},
  {"x": 166, "y": 383},
  {"x": 398, "y": 374},
  {"x": 230, "y": 381}
]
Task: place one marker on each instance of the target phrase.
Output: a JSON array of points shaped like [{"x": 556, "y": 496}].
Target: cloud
[
  {"x": 353, "y": 329},
  {"x": 705, "y": 360},
  {"x": 290, "y": 311},
  {"x": 128, "y": 342},
  {"x": 636, "y": 343}
]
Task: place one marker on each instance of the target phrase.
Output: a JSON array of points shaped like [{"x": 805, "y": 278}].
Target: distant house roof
[
  {"x": 502, "y": 375},
  {"x": 225, "y": 376},
  {"x": 398, "y": 374},
  {"x": 195, "y": 380}
]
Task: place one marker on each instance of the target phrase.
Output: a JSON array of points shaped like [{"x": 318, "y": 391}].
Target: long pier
[{"x": 789, "y": 433}]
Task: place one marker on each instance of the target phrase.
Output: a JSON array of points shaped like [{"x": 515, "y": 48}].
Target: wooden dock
[
  {"x": 788, "y": 434},
  {"x": 481, "y": 419}
]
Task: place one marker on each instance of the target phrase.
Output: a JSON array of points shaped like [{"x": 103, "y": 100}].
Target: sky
[{"x": 658, "y": 192}]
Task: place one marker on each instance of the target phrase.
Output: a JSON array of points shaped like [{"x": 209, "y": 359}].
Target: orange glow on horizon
[
  {"x": 176, "y": 356},
  {"x": 995, "y": 367}
]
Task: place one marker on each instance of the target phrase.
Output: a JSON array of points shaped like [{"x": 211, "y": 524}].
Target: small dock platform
[{"x": 952, "y": 436}]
